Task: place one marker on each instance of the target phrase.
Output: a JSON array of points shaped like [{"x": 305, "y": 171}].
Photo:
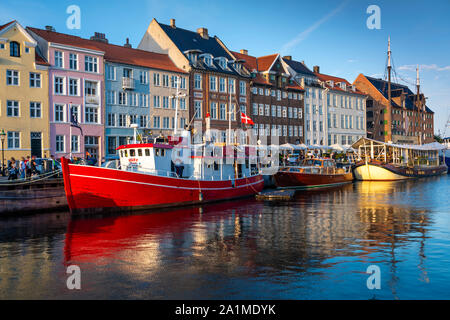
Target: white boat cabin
[{"x": 204, "y": 162}]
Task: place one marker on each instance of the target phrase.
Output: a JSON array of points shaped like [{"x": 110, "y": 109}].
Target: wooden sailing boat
[{"x": 385, "y": 160}]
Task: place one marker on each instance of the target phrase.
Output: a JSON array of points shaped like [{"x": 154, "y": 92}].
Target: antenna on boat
[
  {"x": 177, "y": 96},
  {"x": 134, "y": 126}
]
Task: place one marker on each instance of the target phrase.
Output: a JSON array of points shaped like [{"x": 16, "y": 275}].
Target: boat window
[
  {"x": 156, "y": 152},
  {"x": 140, "y": 152},
  {"x": 147, "y": 152},
  {"x": 126, "y": 153},
  {"x": 163, "y": 152},
  {"x": 216, "y": 166},
  {"x": 132, "y": 152},
  {"x": 121, "y": 153},
  {"x": 317, "y": 163}
]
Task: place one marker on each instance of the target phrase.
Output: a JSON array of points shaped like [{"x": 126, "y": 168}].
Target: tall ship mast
[{"x": 388, "y": 112}]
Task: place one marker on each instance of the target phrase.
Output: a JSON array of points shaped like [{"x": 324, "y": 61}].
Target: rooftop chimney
[
  {"x": 287, "y": 57},
  {"x": 100, "y": 37},
  {"x": 316, "y": 69},
  {"x": 244, "y": 51},
  {"x": 50, "y": 28},
  {"x": 128, "y": 44},
  {"x": 172, "y": 23},
  {"x": 203, "y": 32},
  {"x": 303, "y": 63}
]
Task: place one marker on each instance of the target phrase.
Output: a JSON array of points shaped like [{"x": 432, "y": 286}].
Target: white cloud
[{"x": 304, "y": 34}]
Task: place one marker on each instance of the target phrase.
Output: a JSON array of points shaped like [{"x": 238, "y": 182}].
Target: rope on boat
[{"x": 30, "y": 181}]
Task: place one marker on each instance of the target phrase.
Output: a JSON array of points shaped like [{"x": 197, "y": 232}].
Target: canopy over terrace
[
  {"x": 288, "y": 146},
  {"x": 400, "y": 154}
]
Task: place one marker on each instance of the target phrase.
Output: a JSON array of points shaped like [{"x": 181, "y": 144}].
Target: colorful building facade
[
  {"x": 24, "y": 105},
  {"x": 76, "y": 91}
]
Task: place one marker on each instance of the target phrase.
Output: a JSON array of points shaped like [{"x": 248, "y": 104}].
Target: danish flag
[{"x": 245, "y": 119}]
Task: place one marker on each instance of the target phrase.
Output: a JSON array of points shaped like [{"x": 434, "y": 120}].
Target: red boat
[
  {"x": 313, "y": 173},
  {"x": 157, "y": 175}
]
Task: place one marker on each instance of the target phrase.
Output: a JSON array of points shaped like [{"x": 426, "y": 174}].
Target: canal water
[{"x": 317, "y": 246}]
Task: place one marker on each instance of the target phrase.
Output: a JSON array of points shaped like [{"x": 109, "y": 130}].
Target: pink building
[{"x": 76, "y": 86}]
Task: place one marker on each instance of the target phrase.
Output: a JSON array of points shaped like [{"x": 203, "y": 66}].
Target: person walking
[
  {"x": 12, "y": 170},
  {"x": 22, "y": 168}
]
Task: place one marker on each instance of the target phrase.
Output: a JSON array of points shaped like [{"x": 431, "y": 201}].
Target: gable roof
[
  {"x": 112, "y": 52},
  {"x": 326, "y": 77},
  {"x": 299, "y": 67},
  {"x": 7, "y": 24},
  {"x": 265, "y": 62},
  {"x": 250, "y": 62},
  {"x": 382, "y": 87}
]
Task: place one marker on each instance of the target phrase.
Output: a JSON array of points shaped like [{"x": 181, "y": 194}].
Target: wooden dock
[{"x": 276, "y": 195}]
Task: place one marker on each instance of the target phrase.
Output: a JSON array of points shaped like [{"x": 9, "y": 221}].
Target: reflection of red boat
[
  {"x": 313, "y": 173},
  {"x": 88, "y": 240},
  {"x": 145, "y": 179}
]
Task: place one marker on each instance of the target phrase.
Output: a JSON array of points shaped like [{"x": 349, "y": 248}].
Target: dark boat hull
[{"x": 288, "y": 179}]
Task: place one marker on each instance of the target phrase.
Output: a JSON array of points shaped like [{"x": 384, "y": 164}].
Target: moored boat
[
  {"x": 313, "y": 173},
  {"x": 387, "y": 161},
  {"x": 154, "y": 175}
]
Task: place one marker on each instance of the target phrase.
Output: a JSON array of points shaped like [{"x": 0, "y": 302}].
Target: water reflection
[{"x": 316, "y": 246}]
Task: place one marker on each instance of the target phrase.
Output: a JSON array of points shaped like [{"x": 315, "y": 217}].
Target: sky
[{"x": 331, "y": 34}]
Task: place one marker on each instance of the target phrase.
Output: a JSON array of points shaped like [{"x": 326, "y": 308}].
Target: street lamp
[{"x": 2, "y": 138}]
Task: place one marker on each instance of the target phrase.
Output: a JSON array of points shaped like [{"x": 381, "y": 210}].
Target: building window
[
  {"x": 59, "y": 85},
  {"x": 222, "y": 87},
  {"x": 284, "y": 112},
  {"x": 143, "y": 77},
  {"x": 122, "y": 120},
  {"x": 213, "y": 83},
  {"x": 166, "y": 124},
  {"x": 242, "y": 89},
  {"x": 91, "y": 115},
  {"x": 198, "y": 109},
  {"x": 112, "y": 145},
  {"x": 58, "y": 59},
  {"x": 255, "y": 109},
  {"x": 144, "y": 100},
  {"x": 156, "y": 81},
  {"x": 12, "y": 77},
  {"x": 156, "y": 122},
  {"x": 59, "y": 143},
  {"x": 279, "y": 111},
  {"x": 14, "y": 49},
  {"x": 274, "y": 111},
  {"x": 12, "y": 108},
  {"x": 223, "y": 110},
  {"x": 35, "y": 109},
  {"x": 165, "y": 80},
  {"x": 59, "y": 113},
  {"x": 156, "y": 102},
  {"x": 143, "y": 121},
  {"x": 198, "y": 81},
  {"x": 75, "y": 145},
  {"x": 90, "y": 64},
  {"x": 90, "y": 88},
  {"x": 122, "y": 98},
  {"x": 13, "y": 139},
  {"x": 111, "y": 119},
  {"x": 166, "y": 102},
  {"x": 73, "y": 87},
  {"x": 73, "y": 61},
  {"x": 35, "y": 80},
  {"x": 214, "y": 110},
  {"x": 110, "y": 73}
]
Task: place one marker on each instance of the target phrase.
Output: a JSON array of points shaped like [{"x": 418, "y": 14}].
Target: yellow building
[{"x": 24, "y": 109}]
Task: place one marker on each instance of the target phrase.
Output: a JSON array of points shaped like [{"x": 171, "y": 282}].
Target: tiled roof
[
  {"x": 189, "y": 40},
  {"x": 40, "y": 59},
  {"x": 295, "y": 87},
  {"x": 382, "y": 87},
  {"x": 6, "y": 24},
  {"x": 265, "y": 62},
  {"x": 113, "y": 53},
  {"x": 299, "y": 67},
  {"x": 250, "y": 61},
  {"x": 326, "y": 77}
]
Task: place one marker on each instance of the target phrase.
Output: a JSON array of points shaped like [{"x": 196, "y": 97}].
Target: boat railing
[
  {"x": 154, "y": 172},
  {"x": 317, "y": 170}
]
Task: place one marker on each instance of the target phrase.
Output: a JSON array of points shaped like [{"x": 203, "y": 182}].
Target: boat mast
[
  {"x": 419, "y": 102},
  {"x": 388, "y": 114},
  {"x": 229, "y": 116},
  {"x": 176, "y": 106}
]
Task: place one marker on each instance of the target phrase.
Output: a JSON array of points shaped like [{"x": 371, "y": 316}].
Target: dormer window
[
  {"x": 223, "y": 63},
  {"x": 14, "y": 49},
  {"x": 207, "y": 60},
  {"x": 330, "y": 83}
]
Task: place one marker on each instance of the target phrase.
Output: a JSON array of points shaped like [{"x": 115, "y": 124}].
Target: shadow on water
[{"x": 316, "y": 246}]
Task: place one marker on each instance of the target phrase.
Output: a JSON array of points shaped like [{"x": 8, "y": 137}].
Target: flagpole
[{"x": 70, "y": 141}]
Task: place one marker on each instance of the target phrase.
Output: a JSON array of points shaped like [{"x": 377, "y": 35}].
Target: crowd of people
[{"x": 27, "y": 167}]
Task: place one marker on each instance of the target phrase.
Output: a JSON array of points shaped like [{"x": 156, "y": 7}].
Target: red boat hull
[
  {"x": 90, "y": 189},
  {"x": 286, "y": 179}
]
